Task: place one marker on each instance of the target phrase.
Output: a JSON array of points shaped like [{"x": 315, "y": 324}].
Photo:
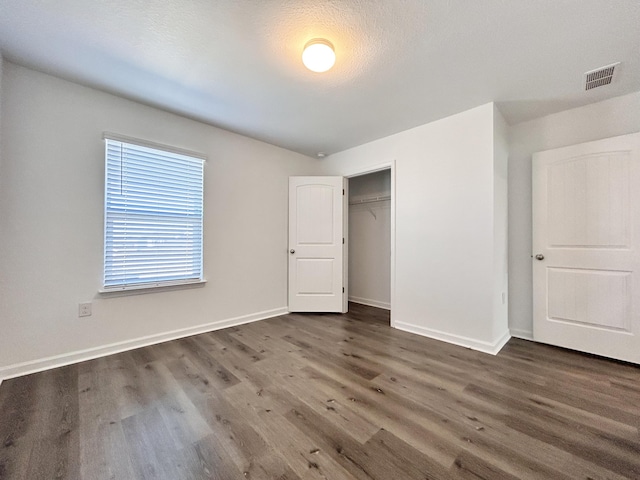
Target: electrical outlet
[{"x": 84, "y": 309}]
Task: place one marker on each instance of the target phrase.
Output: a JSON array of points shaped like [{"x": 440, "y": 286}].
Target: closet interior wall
[{"x": 370, "y": 239}]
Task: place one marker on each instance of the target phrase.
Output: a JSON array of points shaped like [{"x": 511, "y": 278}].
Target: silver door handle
[
  {"x": 539, "y": 256},
  {"x": 292, "y": 251}
]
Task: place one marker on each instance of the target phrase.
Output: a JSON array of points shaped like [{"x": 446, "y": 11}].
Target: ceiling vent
[{"x": 601, "y": 76}]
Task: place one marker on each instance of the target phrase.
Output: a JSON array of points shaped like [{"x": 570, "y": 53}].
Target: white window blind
[{"x": 153, "y": 217}]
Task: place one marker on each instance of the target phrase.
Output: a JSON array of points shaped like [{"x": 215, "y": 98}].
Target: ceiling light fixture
[{"x": 318, "y": 55}]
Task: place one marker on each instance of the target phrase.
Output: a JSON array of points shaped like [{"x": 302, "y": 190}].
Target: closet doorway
[{"x": 370, "y": 226}]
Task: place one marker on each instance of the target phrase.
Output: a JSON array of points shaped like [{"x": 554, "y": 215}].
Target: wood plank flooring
[{"x": 324, "y": 397}]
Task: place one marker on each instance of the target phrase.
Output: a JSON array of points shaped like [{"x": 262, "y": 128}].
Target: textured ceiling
[{"x": 400, "y": 63}]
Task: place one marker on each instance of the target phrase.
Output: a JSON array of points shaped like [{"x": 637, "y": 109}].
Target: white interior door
[
  {"x": 586, "y": 241},
  {"x": 316, "y": 248}
]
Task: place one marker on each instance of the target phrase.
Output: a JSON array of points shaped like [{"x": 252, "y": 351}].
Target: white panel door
[
  {"x": 316, "y": 250},
  {"x": 586, "y": 247}
]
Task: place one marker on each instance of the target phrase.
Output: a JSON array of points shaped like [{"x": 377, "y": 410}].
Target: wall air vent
[{"x": 601, "y": 76}]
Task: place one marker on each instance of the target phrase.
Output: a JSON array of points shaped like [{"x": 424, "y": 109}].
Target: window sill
[{"x": 150, "y": 288}]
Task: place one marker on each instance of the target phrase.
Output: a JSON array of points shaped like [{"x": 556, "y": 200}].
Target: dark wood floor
[{"x": 324, "y": 397}]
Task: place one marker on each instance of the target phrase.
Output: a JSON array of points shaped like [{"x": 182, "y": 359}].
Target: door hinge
[
  {"x": 343, "y": 240},
  {"x": 343, "y": 191},
  {"x": 342, "y": 289}
]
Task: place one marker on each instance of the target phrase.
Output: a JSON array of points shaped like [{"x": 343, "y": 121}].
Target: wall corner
[{"x": 500, "y": 226}]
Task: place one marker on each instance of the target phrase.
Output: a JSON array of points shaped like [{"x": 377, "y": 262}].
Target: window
[{"x": 153, "y": 217}]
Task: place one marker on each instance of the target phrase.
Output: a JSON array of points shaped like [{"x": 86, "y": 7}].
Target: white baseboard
[
  {"x": 25, "y": 368},
  {"x": 487, "y": 347},
  {"x": 371, "y": 303},
  {"x": 524, "y": 334}
]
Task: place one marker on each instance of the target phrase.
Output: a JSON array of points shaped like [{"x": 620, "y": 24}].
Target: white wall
[
  {"x": 51, "y": 222},
  {"x": 1, "y": 68},
  {"x": 370, "y": 240},
  {"x": 444, "y": 234},
  {"x": 616, "y": 116}
]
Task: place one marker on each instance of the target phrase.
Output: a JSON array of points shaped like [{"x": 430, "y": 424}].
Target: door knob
[
  {"x": 539, "y": 256},
  {"x": 292, "y": 251}
]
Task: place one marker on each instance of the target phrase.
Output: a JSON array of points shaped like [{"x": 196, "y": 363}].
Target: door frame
[{"x": 364, "y": 170}]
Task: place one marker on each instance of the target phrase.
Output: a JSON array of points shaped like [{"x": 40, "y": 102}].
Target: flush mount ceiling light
[{"x": 318, "y": 55}]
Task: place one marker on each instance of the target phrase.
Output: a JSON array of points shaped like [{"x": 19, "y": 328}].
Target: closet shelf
[{"x": 381, "y": 198}]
